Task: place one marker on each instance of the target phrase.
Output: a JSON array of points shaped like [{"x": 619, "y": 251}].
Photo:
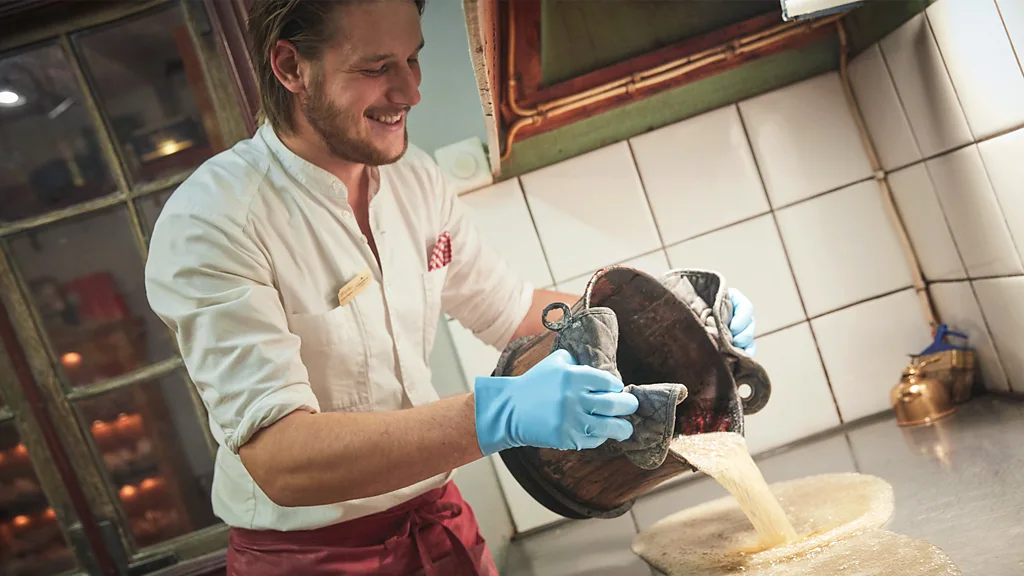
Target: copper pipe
[
  {"x": 643, "y": 79},
  {"x": 920, "y": 286},
  {"x": 511, "y": 67}
]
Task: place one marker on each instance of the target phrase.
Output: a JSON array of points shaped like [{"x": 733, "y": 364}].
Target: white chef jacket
[{"x": 245, "y": 264}]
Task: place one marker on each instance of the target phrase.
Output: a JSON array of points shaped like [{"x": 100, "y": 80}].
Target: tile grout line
[
  {"x": 792, "y": 272},
  {"x": 976, "y": 278},
  {"x": 903, "y": 108},
  {"x": 923, "y": 162},
  {"x": 984, "y": 319},
  {"x": 775, "y": 331},
  {"x": 823, "y": 194},
  {"x": 632, "y": 516},
  {"x": 824, "y": 368},
  {"x": 647, "y": 197},
  {"x": 945, "y": 67},
  {"x": 853, "y": 453},
  {"x": 946, "y": 152},
  {"x": 592, "y": 272},
  {"x": 718, "y": 229},
  {"x": 991, "y": 336},
  {"x": 945, "y": 218},
  {"x": 999, "y": 205},
  {"x": 536, "y": 230},
  {"x": 1018, "y": 55},
  {"x": 885, "y": 294}
]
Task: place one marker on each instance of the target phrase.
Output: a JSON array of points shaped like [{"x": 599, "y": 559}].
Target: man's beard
[{"x": 329, "y": 121}]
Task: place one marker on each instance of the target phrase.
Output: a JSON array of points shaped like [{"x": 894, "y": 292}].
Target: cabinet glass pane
[
  {"x": 149, "y": 207},
  {"x": 86, "y": 279},
  {"x": 150, "y": 84},
  {"x": 6, "y": 375},
  {"x": 30, "y": 538},
  {"x": 51, "y": 156},
  {"x": 157, "y": 459}
]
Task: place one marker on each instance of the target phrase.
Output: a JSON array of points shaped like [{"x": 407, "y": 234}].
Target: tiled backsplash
[{"x": 777, "y": 193}]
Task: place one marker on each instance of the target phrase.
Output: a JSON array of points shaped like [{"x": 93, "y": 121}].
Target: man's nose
[{"x": 405, "y": 88}]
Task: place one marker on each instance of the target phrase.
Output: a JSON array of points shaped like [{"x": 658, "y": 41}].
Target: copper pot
[{"x": 918, "y": 399}]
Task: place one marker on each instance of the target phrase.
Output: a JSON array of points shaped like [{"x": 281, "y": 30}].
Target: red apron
[{"x": 433, "y": 534}]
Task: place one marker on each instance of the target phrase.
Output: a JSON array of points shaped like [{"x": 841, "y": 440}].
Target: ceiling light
[{"x": 10, "y": 98}]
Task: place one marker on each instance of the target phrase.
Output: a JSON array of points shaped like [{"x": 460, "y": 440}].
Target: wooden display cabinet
[
  {"x": 30, "y": 538},
  {"x": 132, "y": 428}
]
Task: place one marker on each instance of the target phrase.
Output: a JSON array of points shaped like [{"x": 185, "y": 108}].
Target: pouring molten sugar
[{"x": 815, "y": 525}]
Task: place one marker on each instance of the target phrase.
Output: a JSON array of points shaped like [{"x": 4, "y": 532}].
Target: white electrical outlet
[{"x": 465, "y": 165}]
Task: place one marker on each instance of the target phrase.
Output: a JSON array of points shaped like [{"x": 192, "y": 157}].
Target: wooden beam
[{"x": 483, "y": 24}]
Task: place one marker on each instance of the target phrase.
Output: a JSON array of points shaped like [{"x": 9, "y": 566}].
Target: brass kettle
[{"x": 918, "y": 399}]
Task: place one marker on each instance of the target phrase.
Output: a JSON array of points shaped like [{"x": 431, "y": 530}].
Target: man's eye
[{"x": 376, "y": 71}]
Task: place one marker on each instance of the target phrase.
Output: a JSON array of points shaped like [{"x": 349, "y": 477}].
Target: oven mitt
[
  {"x": 592, "y": 337},
  {"x": 706, "y": 294}
]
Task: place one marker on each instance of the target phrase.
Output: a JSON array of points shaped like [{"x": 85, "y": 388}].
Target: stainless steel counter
[{"x": 959, "y": 484}]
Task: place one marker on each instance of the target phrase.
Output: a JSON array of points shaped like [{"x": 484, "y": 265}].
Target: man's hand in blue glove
[
  {"x": 742, "y": 324},
  {"x": 556, "y": 404}
]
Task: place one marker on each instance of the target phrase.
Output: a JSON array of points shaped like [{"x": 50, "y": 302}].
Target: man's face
[{"x": 361, "y": 91}]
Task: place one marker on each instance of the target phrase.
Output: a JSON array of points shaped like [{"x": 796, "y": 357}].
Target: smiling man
[{"x": 304, "y": 272}]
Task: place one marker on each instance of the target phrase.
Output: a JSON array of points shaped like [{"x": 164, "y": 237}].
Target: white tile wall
[
  {"x": 591, "y": 210},
  {"x": 865, "y": 348},
  {"x": 504, "y": 221},
  {"x": 576, "y": 285},
  {"x": 843, "y": 248},
  {"x": 924, "y": 87},
  {"x": 799, "y": 386},
  {"x": 655, "y": 264},
  {"x": 751, "y": 257},
  {"x": 475, "y": 357},
  {"x": 478, "y": 483},
  {"x": 981, "y": 63},
  {"x": 970, "y": 205},
  {"x": 926, "y": 224},
  {"x": 527, "y": 514},
  {"x": 956, "y": 306},
  {"x": 1012, "y": 12},
  {"x": 1004, "y": 162},
  {"x": 1002, "y": 301},
  {"x": 805, "y": 139},
  {"x": 883, "y": 114},
  {"x": 699, "y": 174},
  {"x": 691, "y": 195},
  {"x": 479, "y": 359}
]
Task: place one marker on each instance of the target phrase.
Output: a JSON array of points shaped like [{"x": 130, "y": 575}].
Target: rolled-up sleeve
[
  {"x": 209, "y": 281},
  {"x": 481, "y": 290}
]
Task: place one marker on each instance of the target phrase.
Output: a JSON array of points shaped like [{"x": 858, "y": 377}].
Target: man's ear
[{"x": 288, "y": 67}]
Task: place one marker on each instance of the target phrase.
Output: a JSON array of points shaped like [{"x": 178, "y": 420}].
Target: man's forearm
[
  {"x": 312, "y": 459},
  {"x": 532, "y": 323}
]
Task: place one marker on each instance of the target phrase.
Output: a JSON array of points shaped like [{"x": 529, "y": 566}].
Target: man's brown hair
[{"x": 308, "y": 26}]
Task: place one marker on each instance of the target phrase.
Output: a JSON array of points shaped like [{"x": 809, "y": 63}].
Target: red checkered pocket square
[{"x": 441, "y": 256}]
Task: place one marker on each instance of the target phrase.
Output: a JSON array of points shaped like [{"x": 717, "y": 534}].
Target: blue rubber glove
[
  {"x": 742, "y": 324},
  {"x": 555, "y": 404}
]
